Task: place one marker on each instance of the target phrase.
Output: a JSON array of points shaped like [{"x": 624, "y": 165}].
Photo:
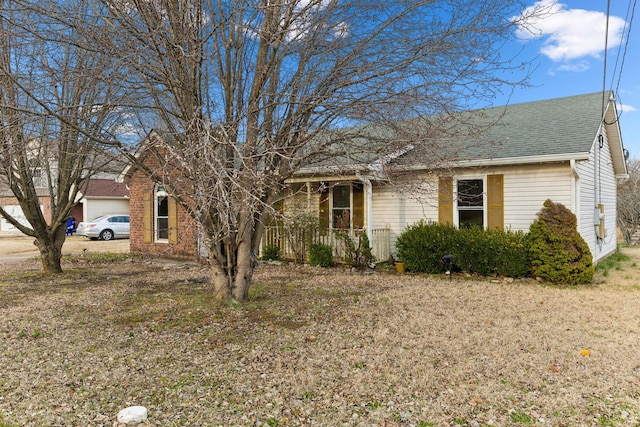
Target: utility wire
[
  {"x": 626, "y": 42},
  {"x": 606, "y": 46},
  {"x": 621, "y": 58}
]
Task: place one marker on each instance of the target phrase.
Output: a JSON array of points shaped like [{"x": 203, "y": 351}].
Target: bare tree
[
  {"x": 250, "y": 91},
  {"x": 54, "y": 106},
  {"x": 629, "y": 202}
]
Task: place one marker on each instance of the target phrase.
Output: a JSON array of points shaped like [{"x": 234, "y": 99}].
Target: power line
[
  {"x": 626, "y": 42},
  {"x": 606, "y": 47}
]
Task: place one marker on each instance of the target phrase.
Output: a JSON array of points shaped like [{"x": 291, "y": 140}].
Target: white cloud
[
  {"x": 568, "y": 34},
  {"x": 577, "y": 67},
  {"x": 626, "y": 108}
]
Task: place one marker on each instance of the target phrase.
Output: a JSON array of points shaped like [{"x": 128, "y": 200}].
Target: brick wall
[{"x": 186, "y": 247}]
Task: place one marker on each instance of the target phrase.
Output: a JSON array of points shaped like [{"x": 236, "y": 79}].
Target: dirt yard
[
  {"x": 315, "y": 347},
  {"x": 17, "y": 248}
]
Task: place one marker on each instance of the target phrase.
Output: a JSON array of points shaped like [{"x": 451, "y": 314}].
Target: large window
[
  {"x": 470, "y": 202},
  {"x": 161, "y": 215}
]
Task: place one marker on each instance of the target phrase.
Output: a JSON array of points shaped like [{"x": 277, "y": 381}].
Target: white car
[{"x": 106, "y": 227}]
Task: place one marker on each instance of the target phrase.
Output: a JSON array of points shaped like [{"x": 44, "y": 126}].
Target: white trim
[
  {"x": 159, "y": 193},
  {"x": 368, "y": 205},
  {"x": 456, "y": 213}
]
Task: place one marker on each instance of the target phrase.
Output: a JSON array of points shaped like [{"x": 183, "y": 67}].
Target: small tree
[
  {"x": 558, "y": 252},
  {"x": 629, "y": 202},
  {"x": 57, "y": 104}
]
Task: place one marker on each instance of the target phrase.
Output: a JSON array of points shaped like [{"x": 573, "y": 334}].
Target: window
[
  {"x": 470, "y": 203},
  {"x": 474, "y": 197},
  {"x": 341, "y": 207},
  {"x": 161, "y": 215},
  {"x": 38, "y": 177}
]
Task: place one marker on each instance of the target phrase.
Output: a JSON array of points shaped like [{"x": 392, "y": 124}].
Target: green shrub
[
  {"x": 475, "y": 250},
  {"x": 321, "y": 255},
  {"x": 489, "y": 252},
  {"x": 558, "y": 252},
  {"x": 271, "y": 253},
  {"x": 512, "y": 254},
  {"x": 421, "y": 246}
]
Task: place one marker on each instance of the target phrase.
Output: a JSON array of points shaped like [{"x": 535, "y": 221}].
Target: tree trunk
[
  {"x": 232, "y": 284},
  {"x": 50, "y": 247},
  {"x": 232, "y": 269}
]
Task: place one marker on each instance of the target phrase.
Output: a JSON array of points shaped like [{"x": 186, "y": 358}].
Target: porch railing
[{"x": 294, "y": 243}]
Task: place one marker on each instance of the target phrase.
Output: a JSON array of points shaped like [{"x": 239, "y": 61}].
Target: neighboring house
[
  {"x": 102, "y": 194},
  {"x": 101, "y": 197},
  {"x": 568, "y": 150},
  {"x": 10, "y": 204}
]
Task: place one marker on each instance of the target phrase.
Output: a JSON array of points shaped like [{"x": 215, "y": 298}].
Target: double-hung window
[
  {"x": 161, "y": 212},
  {"x": 342, "y": 206},
  {"x": 470, "y": 201}
]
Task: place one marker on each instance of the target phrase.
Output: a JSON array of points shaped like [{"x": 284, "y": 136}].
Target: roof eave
[{"x": 511, "y": 161}]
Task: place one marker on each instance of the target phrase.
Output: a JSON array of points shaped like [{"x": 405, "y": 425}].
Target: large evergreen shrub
[{"x": 558, "y": 252}]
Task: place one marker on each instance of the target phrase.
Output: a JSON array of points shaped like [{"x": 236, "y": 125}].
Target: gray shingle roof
[
  {"x": 562, "y": 127},
  {"x": 542, "y": 128}
]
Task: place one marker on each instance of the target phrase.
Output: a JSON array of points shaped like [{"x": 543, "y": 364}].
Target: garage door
[{"x": 16, "y": 212}]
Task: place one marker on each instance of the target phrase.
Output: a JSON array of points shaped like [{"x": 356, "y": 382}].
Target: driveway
[{"x": 20, "y": 248}]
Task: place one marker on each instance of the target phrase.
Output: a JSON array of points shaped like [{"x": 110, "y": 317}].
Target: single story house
[{"x": 568, "y": 150}]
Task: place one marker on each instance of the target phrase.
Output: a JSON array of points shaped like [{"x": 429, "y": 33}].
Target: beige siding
[
  {"x": 396, "y": 206},
  {"x": 527, "y": 187}
]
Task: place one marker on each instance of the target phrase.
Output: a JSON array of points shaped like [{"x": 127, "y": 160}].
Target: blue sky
[{"x": 570, "y": 45}]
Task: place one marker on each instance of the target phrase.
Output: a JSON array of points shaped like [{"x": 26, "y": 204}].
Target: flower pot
[{"x": 399, "y": 266}]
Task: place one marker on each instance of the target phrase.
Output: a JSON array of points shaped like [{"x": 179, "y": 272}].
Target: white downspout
[
  {"x": 368, "y": 205},
  {"x": 575, "y": 189}
]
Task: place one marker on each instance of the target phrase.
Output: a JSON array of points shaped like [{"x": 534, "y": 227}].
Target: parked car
[{"x": 106, "y": 227}]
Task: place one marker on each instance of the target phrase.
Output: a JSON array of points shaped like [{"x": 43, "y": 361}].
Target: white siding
[
  {"x": 598, "y": 185},
  {"x": 526, "y": 187},
  {"x": 525, "y": 190},
  {"x": 16, "y": 212}
]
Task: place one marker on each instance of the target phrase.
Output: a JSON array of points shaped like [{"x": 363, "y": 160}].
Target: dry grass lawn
[{"x": 315, "y": 347}]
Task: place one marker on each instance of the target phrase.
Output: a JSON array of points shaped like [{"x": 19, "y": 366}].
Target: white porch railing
[{"x": 294, "y": 244}]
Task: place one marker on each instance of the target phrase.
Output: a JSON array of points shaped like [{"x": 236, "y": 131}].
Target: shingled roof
[
  {"x": 105, "y": 188},
  {"x": 543, "y": 128},
  {"x": 559, "y": 129}
]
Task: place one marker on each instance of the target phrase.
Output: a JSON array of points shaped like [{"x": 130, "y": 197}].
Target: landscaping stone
[{"x": 132, "y": 414}]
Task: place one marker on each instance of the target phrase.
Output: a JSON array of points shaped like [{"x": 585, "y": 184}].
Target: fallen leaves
[{"x": 311, "y": 347}]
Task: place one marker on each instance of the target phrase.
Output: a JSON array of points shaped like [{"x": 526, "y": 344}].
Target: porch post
[
  {"x": 308, "y": 195},
  {"x": 368, "y": 205}
]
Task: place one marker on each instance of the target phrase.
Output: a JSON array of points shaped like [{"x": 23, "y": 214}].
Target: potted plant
[{"x": 400, "y": 267}]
